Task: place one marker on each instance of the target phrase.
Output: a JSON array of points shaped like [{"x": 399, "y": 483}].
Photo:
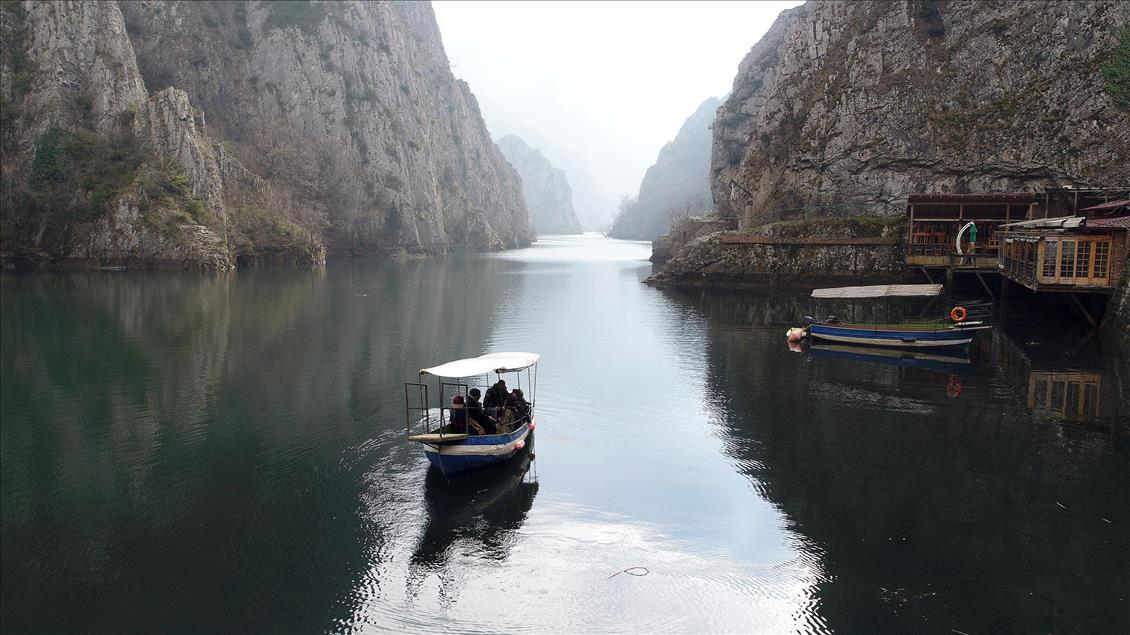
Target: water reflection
[
  {"x": 226, "y": 454},
  {"x": 1070, "y": 385},
  {"x": 942, "y": 362},
  {"x": 933, "y": 513},
  {"x": 478, "y": 514}
]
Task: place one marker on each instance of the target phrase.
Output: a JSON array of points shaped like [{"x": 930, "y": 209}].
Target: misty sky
[{"x": 600, "y": 85}]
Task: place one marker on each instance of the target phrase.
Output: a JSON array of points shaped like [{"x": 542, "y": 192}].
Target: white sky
[{"x": 610, "y": 82}]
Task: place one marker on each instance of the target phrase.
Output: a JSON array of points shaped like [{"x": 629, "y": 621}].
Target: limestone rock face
[
  {"x": 78, "y": 64},
  {"x": 69, "y": 68},
  {"x": 866, "y": 102},
  {"x": 167, "y": 123},
  {"x": 677, "y": 184},
  {"x": 123, "y": 237},
  {"x": 548, "y": 195},
  {"x": 351, "y": 107}
]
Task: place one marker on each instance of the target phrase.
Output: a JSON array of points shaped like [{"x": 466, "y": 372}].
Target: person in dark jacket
[
  {"x": 495, "y": 399},
  {"x": 475, "y": 412},
  {"x": 519, "y": 406}
]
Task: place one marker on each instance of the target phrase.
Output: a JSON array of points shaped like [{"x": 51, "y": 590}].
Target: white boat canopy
[
  {"x": 490, "y": 363},
  {"x": 880, "y": 291}
]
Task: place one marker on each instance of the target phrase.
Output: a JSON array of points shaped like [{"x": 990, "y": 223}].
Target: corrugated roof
[
  {"x": 1117, "y": 222},
  {"x": 880, "y": 291},
  {"x": 1107, "y": 206},
  {"x": 1061, "y": 222}
]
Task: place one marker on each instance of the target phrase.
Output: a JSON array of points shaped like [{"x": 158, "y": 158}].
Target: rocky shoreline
[{"x": 708, "y": 252}]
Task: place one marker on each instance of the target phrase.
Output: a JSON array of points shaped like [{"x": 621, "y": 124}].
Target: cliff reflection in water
[
  {"x": 933, "y": 511},
  {"x": 171, "y": 433}
]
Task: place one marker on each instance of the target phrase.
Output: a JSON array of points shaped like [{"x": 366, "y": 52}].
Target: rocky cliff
[
  {"x": 677, "y": 184},
  {"x": 865, "y": 102},
  {"x": 547, "y": 192},
  {"x": 93, "y": 166},
  {"x": 353, "y": 105},
  {"x": 205, "y": 134}
]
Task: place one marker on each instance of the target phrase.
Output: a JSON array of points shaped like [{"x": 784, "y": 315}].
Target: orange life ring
[{"x": 958, "y": 314}]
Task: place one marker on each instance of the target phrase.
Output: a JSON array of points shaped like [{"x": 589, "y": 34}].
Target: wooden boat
[
  {"x": 959, "y": 330},
  {"x": 456, "y": 453}
]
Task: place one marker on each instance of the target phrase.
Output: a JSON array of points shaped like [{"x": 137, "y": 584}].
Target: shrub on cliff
[
  {"x": 1116, "y": 71},
  {"x": 73, "y": 178}
]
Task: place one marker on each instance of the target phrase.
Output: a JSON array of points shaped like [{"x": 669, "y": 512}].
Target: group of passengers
[{"x": 501, "y": 412}]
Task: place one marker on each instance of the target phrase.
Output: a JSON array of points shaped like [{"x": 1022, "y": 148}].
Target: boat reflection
[
  {"x": 477, "y": 514},
  {"x": 942, "y": 362}
]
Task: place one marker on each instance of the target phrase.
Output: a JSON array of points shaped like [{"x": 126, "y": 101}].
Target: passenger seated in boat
[
  {"x": 495, "y": 399},
  {"x": 458, "y": 415},
  {"x": 475, "y": 414},
  {"x": 516, "y": 413}
]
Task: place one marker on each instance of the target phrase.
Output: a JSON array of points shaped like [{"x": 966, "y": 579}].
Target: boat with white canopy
[
  {"x": 447, "y": 433},
  {"x": 963, "y": 323}
]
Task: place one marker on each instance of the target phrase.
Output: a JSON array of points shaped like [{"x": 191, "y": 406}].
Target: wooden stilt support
[
  {"x": 1082, "y": 309},
  {"x": 984, "y": 284},
  {"x": 1003, "y": 308},
  {"x": 926, "y": 272}
]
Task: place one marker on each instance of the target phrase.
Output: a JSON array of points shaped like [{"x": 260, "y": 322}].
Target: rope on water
[{"x": 631, "y": 571}]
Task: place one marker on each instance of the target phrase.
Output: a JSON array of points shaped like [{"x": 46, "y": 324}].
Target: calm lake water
[{"x": 225, "y": 453}]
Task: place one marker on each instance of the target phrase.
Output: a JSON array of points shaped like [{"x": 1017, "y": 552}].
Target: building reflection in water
[{"x": 1070, "y": 386}]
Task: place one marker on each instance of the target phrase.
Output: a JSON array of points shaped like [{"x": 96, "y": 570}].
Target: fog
[{"x": 598, "y": 87}]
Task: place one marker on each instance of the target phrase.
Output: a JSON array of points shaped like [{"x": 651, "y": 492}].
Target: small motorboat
[
  {"x": 453, "y": 452},
  {"x": 962, "y": 325}
]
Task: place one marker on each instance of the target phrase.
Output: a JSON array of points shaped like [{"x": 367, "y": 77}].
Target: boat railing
[{"x": 420, "y": 391}]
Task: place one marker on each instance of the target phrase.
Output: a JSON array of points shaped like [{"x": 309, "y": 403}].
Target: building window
[
  {"x": 1102, "y": 259},
  {"x": 1067, "y": 259},
  {"x": 1083, "y": 259},
  {"x": 1051, "y": 255}
]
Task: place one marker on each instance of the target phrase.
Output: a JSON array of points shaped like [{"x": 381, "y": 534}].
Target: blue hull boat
[
  {"x": 959, "y": 331},
  {"x": 896, "y": 335},
  {"x": 454, "y": 458},
  {"x": 451, "y": 445}
]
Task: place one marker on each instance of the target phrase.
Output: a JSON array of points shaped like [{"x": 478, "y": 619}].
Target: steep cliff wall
[
  {"x": 351, "y": 107},
  {"x": 92, "y": 167},
  {"x": 677, "y": 184},
  {"x": 865, "y": 102},
  {"x": 548, "y": 195},
  {"x": 98, "y": 170}
]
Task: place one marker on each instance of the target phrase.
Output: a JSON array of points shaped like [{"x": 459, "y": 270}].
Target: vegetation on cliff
[{"x": 1116, "y": 71}]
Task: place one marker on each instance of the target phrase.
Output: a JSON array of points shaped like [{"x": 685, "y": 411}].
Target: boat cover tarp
[
  {"x": 490, "y": 363},
  {"x": 880, "y": 291}
]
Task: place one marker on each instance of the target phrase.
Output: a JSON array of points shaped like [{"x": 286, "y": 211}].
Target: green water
[{"x": 187, "y": 453}]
